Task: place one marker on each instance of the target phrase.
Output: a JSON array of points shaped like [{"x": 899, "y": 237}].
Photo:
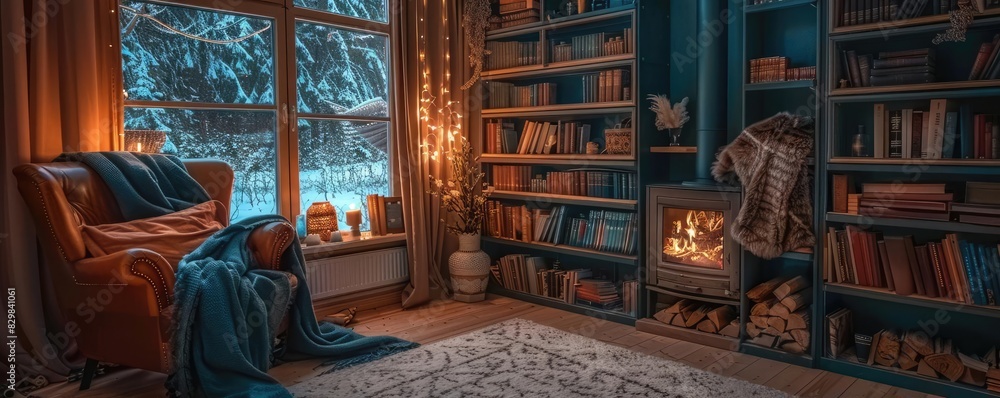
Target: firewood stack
[
  {"x": 935, "y": 358},
  {"x": 779, "y": 317},
  {"x": 705, "y": 317}
]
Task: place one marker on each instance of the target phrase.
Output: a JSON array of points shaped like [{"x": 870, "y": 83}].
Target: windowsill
[{"x": 327, "y": 250}]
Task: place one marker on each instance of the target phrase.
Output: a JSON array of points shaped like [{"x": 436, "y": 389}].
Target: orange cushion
[{"x": 172, "y": 235}]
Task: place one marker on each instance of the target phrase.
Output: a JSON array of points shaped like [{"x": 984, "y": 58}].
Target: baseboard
[{"x": 380, "y": 297}]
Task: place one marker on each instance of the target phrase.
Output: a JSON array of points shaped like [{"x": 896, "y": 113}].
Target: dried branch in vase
[
  {"x": 668, "y": 116},
  {"x": 463, "y": 195}
]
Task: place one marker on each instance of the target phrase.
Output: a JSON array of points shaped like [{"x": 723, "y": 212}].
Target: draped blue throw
[{"x": 145, "y": 185}]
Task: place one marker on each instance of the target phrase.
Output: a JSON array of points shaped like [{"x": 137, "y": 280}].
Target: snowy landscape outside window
[{"x": 210, "y": 80}]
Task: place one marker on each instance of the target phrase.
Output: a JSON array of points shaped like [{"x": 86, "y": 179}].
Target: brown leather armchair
[{"x": 119, "y": 305}]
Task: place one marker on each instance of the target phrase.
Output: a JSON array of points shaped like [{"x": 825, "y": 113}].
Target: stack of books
[
  {"x": 952, "y": 268},
  {"x": 537, "y": 138},
  {"x": 987, "y": 62},
  {"x": 510, "y": 54},
  {"x": 598, "y": 293},
  {"x": 896, "y": 200},
  {"x": 507, "y": 95},
  {"x": 607, "y": 86},
  {"x": 517, "y": 13},
  {"x": 986, "y": 136},
  {"x": 982, "y": 204},
  {"x": 893, "y": 68}
]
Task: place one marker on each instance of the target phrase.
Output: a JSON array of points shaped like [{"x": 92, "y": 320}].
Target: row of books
[
  {"x": 860, "y": 12},
  {"x": 607, "y": 86},
  {"x": 592, "y": 46},
  {"x": 510, "y": 54},
  {"x": 952, "y": 268},
  {"x": 775, "y": 69},
  {"x": 537, "y": 137},
  {"x": 987, "y": 62},
  {"x": 512, "y": 6},
  {"x": 516, "y": 18},
  {"x": 890, "y": 68},
  {"x": 507, "y": 95},
  {"x": 592, "y": 183},
  {"x": 919, "y": 134},
  {"x": 535, "y": 275},
  {"x": 986, "y": 136},
  {"x": 608, "y": 231}
]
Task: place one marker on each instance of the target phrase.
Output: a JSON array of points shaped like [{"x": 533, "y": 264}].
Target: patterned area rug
[{"x": 519, "y": 358}]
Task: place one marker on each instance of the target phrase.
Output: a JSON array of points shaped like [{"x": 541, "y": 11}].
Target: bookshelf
[
  {"x": 570, "y": 50},
  {"x": 845, "y": 108}
]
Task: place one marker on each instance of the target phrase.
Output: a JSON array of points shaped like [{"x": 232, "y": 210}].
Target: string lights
[{"x": 436, "y": 112}]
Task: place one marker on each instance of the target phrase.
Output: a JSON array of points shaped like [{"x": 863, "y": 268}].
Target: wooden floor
[{"x": 443, "y": 319}]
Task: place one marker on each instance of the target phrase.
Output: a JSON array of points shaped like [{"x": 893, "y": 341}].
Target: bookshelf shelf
[
  {"x": 921, "y": 89},
  {"x": 916, "y": 300},
  {"x": 776, "y": 354},
  {"x": 673, "y": 149},
  {"x": 798, "y": 256},
  {"x": 565, "y": 22},
  {"x": 614, "y": 316},
  {"x": 563, "y": 109},
  {"x": 566, "y": 199},
  {"x": 569, "y": 160},
  {"x": 786, "y": 85},
  {"x": 909, "y": 26},
  {"x": 938, "y": 166},
  {"x": 897, "y": 376},
  {"x": 944, "y": 226},
  {"x": 560, "y": 68},
  {"x": 777, "y": 5},
  {"x": 564, "y": 249}
]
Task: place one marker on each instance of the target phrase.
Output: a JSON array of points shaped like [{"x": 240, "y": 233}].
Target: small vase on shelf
[
  {"x": 675, "y": 137},
  {"x": 470, "y": 269}
]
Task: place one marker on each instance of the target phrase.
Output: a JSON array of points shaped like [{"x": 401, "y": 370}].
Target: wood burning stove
[{"x": 690, "y": 250}]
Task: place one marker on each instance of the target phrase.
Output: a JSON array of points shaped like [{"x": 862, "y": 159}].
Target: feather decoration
[{"x": 668, "y": 116}]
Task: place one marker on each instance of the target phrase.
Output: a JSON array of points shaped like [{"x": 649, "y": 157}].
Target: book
[
  {"x": 903, "y": 78},
  {"x": 854, "y": 68},
  {"x": 889, "y": 64},
  {"x": 903, "y": 69},
  {"x": 983, "y": 58},
  {"x": 880, "y": 132},
  {"x": 985, "y": 193},
  {"x": 895, "y": 134},
  {"x": 903, "y": 188},
  {"x": 841, "y": 187}
]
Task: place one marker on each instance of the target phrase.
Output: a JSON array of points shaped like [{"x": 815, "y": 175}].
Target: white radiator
[{"x": 356, "y": 272}]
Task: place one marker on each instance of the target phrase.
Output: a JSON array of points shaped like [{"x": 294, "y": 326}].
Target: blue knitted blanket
[{"x": 145, "y": 185}]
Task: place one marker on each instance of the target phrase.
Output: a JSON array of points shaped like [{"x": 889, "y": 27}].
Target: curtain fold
[
  {"x": 429, "y": 103},
  {"x": 61, "y": 92}
]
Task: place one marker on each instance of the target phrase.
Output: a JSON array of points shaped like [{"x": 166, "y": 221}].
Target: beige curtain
[
  {"x": 429, "y": 66},
  {"x": 61, "y": 92}
]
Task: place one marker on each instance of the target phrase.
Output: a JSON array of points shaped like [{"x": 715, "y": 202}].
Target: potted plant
[{"x": 463, "y": 197}]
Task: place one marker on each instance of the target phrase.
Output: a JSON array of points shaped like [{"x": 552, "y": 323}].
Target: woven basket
[
  {"x": 618, "y": 141},
  {"x": 146, "y": 141}
]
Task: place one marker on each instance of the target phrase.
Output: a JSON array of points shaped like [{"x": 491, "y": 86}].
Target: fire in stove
[{"x": 693, "y": 237}]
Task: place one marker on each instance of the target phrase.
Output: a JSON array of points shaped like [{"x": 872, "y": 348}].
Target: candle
[
  {"x": 353, "y": 216},
  {"x": 138, "y": 147}
]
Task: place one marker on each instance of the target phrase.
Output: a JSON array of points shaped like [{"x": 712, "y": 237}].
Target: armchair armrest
[
  {"x": 268, "y": 243},
  {"x": 141, "y": 277}
]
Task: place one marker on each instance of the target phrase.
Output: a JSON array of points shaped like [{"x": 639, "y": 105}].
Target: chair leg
[{"x": 88, "y": 373}]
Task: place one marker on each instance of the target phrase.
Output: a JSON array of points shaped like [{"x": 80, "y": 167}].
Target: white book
[{"x": 938, "y": 114}]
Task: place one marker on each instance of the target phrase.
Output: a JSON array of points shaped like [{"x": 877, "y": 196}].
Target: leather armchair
[{"x": 119, "y": 304}]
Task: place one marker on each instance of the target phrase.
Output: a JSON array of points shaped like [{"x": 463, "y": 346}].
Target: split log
[
  {"x": 794, "y": 347},
  {"x": 707, "y": 326},
  {"x": 887, "y": 351},
  {"x": 947, "y": 365},
  {"x": 678, "y": 321},
  {"x": 801, "y": 336},
  {"x": 664, "y": 317},
  {"x": 785, "y": 337},
  {"x": 760, "y": 321},
  {"x": 696, "y": 316},
  {"x": 908, "y": 350},
  {"x": 924, "y": 369},
  {"x": 771, "y": 331},
  {"x": 764, "y": 290},
  {"x": 677, "y": 307},
  {"x": 765, "y": 340},
  {"x": 721, "y": 316},
  {"x": 731, "y": 330},
  {"x": 798, "y": 300},
  {"x": 974, "y": 377},
  {"x": 780, "y": 311},
  {"x": 762, "y": 308},
  {"x": 798, "y": 320},
  {"x": 919, "y": 342},
  {"x": 792, "y": 286},
  {"x": 752, "y": 330},
  {"x": 689, "y": 309},
  {"x": 905, "y": 361},
  {"x": 776, "y": 323}
]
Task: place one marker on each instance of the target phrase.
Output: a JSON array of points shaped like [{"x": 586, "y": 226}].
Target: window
[{"x": 215, "y": 81}]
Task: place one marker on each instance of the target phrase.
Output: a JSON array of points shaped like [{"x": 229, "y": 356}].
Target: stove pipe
[{"x": 710, "y": 102}]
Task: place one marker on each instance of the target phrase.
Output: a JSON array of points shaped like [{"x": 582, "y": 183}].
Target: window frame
[{"x": 284, "y": 14}]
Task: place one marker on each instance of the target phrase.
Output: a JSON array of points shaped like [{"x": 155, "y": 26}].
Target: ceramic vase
[{"x": 470, "y": 270}]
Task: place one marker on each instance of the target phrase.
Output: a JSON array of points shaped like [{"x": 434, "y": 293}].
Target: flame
[{"x": 697, "y": 239}]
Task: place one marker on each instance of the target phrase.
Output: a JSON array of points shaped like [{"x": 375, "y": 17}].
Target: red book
[
  {"x": 985, "y": 50},
  {"x": 928, "y": 197},
  {"x": 900, "y": 188},
  {"x": 905, "y": 204}
]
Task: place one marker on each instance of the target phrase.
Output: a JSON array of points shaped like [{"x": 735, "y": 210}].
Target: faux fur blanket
[{"x": 769, "y": 159}]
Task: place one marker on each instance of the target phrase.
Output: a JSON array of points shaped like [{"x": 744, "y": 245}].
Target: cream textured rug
[{"x": 519, "y": 358}]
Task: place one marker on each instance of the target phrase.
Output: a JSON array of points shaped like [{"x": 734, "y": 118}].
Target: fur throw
[{"x": 769, "y": 158}]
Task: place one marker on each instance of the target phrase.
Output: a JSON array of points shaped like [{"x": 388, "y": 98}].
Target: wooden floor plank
[{"x": 442, "y": 319}]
